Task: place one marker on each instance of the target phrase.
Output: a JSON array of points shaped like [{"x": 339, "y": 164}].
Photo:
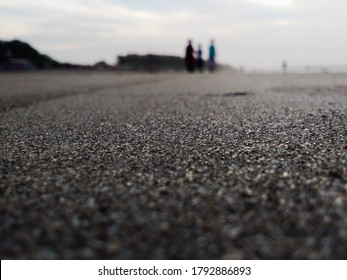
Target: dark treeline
[
  {"x": 154, "y": 63},
  {"x": 150, "y": 63},
  {"x": 17, "y": 55},
  {"x": 20, "y": 56}
]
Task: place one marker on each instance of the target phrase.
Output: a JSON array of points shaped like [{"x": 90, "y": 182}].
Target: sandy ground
[{"x": 173, "y": 166}]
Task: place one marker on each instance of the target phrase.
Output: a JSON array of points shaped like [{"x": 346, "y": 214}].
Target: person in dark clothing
[{"x": 189, "y": 58}]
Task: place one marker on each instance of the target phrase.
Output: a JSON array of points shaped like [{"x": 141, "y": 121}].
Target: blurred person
[
  {"x": 189, "y": 57},
  {"x": 212, "y": 57},
  {"x": 284, "y": 66},
  {"x": 200, "y": 61}
]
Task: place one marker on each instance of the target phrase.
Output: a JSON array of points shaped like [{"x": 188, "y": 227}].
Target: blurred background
[{"x": 305, "y": 35}]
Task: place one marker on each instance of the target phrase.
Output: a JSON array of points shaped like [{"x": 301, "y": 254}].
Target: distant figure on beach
[
  {"x": 189, "y": 57},
  {"x": 212, "y": 57},
  {"x": 284, "y": 66},
  {"x": 199, "y": 60}
]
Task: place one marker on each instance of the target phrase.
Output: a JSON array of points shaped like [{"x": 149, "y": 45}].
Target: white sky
[{"x": 252, "y": 33}]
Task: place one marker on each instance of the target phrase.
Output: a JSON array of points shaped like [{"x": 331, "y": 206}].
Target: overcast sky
[{"x": 252, "y": 33}]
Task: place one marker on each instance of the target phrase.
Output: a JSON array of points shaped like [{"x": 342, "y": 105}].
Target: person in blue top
[
  {"x": 199, "y": 59},
  {"x": 212, "y": 57}
]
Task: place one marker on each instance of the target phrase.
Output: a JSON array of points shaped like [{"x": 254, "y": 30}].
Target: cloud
[
  {"x": 141, "y": 18},
  {"x": 273, "y": 3}
]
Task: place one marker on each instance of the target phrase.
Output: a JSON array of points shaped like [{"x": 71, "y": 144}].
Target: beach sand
[{"x": 98, "y": 165}]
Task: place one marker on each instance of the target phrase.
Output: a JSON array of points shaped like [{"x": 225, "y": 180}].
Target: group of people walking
[{"x": 194, "y": 59}]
